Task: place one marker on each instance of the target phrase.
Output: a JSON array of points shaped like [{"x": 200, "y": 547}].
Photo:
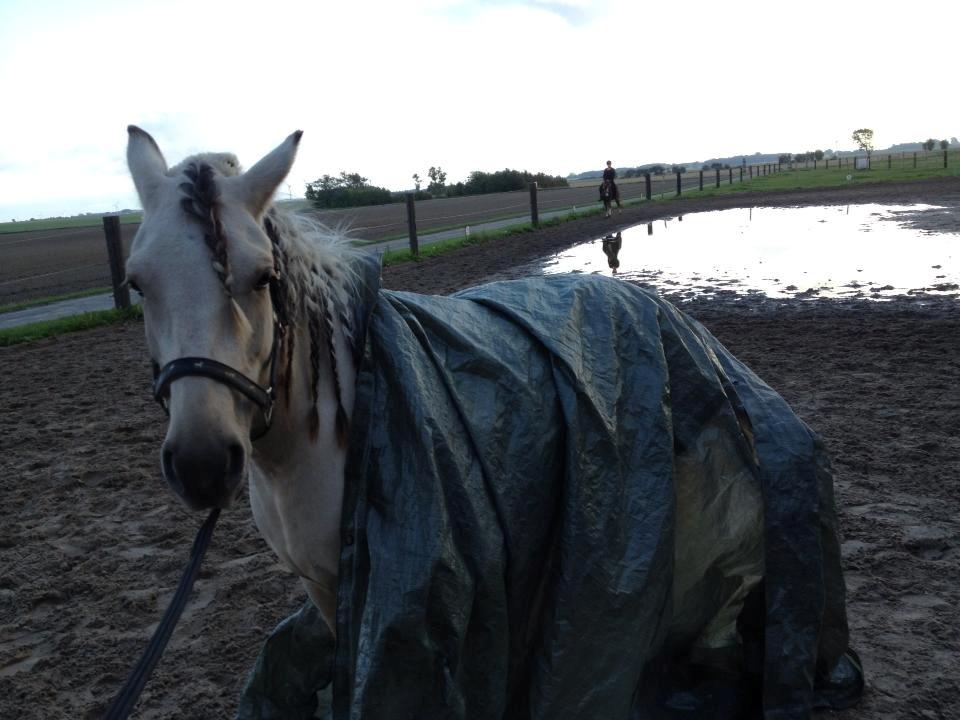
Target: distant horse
[
  {"x": 551, "y": 497},
  {"x": 609, "y": 194}
]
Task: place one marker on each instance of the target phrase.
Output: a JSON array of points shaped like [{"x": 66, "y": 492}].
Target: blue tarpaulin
[{"x": 565, "y": 499}]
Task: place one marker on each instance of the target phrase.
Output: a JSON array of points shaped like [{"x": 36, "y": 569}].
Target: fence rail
[{"x": 40, "y": 264}]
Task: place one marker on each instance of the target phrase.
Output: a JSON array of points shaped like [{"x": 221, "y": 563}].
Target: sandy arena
[{"x": 92, "y": 542}]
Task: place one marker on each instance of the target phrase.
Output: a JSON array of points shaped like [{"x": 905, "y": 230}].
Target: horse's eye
[{"x": 263, "y": 282}]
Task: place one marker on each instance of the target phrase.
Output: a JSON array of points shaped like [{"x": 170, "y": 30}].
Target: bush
[
  {"x": 343, "y": 197},
  {"x": 506, "y": 180}
]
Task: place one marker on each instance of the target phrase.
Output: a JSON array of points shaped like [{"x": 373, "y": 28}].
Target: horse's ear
[
  {"x": 146, "y": 163},
  {"x": 258, "y": 184}
]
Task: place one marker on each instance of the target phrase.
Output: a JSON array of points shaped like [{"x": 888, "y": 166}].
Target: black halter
[{"x": 234, "y": 379}]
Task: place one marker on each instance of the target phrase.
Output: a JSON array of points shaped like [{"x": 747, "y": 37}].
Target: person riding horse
[{"x": 609, "y": 189}]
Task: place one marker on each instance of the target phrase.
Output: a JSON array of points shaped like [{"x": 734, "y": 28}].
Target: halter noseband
[{"x": 234, "y": 379}]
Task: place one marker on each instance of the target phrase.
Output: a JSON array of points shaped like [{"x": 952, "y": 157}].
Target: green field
[
  {"x": 63, "y": 223},
  {"x": 809, "y": 178}
]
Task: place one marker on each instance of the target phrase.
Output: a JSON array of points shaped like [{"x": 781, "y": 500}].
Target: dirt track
[{"x": 92, "y": 543}]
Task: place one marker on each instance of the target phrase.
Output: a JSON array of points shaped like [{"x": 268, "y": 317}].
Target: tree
[
  {"x": 818, "y": 155},
  {"x": 480, "y": 182},
  {"x": 785, "y": 158},
  {"x": 864, "y": 139},
  {"x": 438, "y": 179},
  {"x": 352, "y": 180},
  {"x": 944, "y": 144},
  {"x": 348, "y": 190},
  {"x": 326, "y": 182},
  {"x": 930, "y": 144},
  {"x": 416, "y": 181}
]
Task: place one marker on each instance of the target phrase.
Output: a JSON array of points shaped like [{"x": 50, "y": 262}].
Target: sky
[{"x": 389, "y": 88}]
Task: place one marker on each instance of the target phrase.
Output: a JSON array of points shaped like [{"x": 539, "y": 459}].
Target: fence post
[
  {"x": 717, "y": 170},
  {"x": 944, "y": 158},
  {"x": 678, "y": 183},
  {"x": 111, "y": 229},
  {"x": 729, "y": 176},
  {"x": 701, "y": 181},
  {"x": 914, "y": 160},
  {"x": 534, "y": 212},
  {"x": 412, "y": 225},
  {"x": 889, "y": 162},
  {"x": 646, "y": 180}
]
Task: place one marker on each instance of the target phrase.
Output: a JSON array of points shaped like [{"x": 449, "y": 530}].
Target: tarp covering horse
[{"x": 565, "y": 499}]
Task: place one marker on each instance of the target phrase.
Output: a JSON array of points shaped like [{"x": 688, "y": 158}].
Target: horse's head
[{"x": 206, "y": 268}]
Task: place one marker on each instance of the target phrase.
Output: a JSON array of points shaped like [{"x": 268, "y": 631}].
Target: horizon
[
  {"x": 136, "y": 209},
  {"x": 388, "y": 90}
]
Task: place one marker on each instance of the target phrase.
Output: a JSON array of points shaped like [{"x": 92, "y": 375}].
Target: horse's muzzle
[{"x": 205, "y": 475}]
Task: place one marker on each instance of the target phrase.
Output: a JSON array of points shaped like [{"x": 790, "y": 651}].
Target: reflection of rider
[
  {"x": 609, "y": 175},
  {"x": 611, "y": 248}
]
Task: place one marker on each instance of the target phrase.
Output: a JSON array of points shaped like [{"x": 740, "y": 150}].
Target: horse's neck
[{"x": 296, "y": 482}]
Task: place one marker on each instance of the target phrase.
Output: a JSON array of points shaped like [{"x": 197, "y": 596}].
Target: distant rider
[{"x": 610, "y": 175}]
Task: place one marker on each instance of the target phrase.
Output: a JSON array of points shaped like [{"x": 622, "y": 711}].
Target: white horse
[
  {"x": 252, "y": 326},
  {"x": 218, "y": 285}
]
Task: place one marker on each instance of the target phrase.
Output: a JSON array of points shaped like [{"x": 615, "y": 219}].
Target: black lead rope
[{"x": 130, "y": 693}]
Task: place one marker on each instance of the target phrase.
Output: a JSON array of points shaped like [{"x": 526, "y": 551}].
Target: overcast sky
[{"x": 390, "y": 88}]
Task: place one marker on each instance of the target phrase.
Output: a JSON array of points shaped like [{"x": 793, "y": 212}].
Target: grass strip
[
  {"x": 393, "y": 257},
  {"x": 37, "y": 302},
  {"x": 50, "y": 328}
]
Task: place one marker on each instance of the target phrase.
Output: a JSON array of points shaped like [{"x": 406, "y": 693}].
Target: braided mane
[
  {"x": 317, "y": 282},
  {"x": 200, "y": 202},
  {"x": 314, "y": 279}
]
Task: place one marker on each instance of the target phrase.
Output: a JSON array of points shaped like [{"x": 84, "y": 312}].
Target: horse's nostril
[
  {"x": 170, "y": 469},
  {"x": 206, "y": 472},
  {"x": 235, "y": 460}
]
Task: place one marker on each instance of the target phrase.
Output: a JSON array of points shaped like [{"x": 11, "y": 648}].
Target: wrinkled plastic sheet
[{"x": 565, "y": 499}]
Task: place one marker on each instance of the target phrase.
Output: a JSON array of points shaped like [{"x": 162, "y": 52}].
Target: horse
[
  {"x": 552, "y": 497},
  {"x": 609, "y": 193}
]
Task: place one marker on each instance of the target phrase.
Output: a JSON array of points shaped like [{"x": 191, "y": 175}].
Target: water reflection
[
  {"x": 857, "y": 251},
  {"x": 611, "y": 248}
]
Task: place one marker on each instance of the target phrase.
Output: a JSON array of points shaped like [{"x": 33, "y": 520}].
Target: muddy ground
[{"x": 92, "y": 543}]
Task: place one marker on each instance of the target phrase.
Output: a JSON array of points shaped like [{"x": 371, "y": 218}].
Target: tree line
[{"x": 354, "y": 190}]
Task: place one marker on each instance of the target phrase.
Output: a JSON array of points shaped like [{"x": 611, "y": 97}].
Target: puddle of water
[{"x": 856, "y": 251}]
